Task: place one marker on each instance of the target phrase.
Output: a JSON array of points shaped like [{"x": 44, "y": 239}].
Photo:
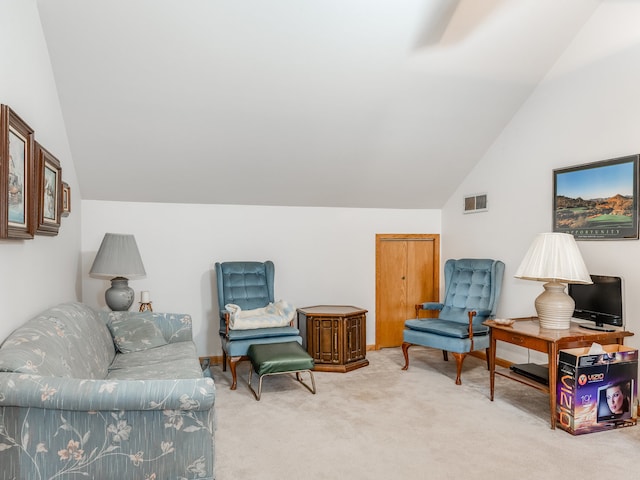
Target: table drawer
[{"x": 521, "y": 340}]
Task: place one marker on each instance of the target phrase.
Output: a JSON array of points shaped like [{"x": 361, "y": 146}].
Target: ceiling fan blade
[
  {"x": 436, "y": 23},
  {"x": 451, "y": 21}
]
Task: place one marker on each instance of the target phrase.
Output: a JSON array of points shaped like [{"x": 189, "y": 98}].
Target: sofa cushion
[
  {"x": 175, "y": 327},
  {"x": 136, "y": 334},
  {"x": 171, "y": 361},
  {"x": 68, "y": 340}
]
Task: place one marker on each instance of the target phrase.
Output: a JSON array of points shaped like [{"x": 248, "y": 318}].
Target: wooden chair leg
[
  {"x": 487, "y": 354},
  {"x": 445, "y": 355},
  {"x": 224, "y": 361},
  {"x": 405, "y": 352},
  {"x": 459, "y": 359},
  {"x": 233, "y": 361}
]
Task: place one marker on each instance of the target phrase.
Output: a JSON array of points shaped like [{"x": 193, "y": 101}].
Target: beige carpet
[{"x": 379, "y": 422}]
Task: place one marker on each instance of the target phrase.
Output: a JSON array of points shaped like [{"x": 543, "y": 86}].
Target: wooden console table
[
  {"x": 336, "y": 336},
  {"x": 526, "y": 333}
]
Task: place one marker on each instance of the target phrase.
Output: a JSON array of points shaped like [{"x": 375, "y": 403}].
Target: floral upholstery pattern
[
  {"x": 135, "y": 335},
  {"x": 64, "y": 341},
  {"x": 71, "y": 407}
]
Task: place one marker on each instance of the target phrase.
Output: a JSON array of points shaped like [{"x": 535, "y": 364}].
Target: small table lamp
[
  {"x": 554, "y": 258},
  {"x": 118, "y": 258}
]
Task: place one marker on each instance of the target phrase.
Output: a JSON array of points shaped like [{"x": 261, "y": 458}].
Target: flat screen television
[
  {"x": 615, "y": 401},
  {"x": 599, "y": 303}
]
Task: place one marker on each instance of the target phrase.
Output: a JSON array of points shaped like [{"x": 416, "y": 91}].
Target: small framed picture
[
  {"x": 66, "y": 200},
  {"x": 16, "y": 176},
  {"x": 49, "y": 181}
]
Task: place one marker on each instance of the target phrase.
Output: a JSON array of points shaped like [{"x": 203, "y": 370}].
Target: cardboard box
[{"x": 585, "y": 381}]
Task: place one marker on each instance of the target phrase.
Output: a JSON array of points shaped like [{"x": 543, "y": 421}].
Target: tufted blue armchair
[
  {"x": 472, "y": 290},
  {"x": 248, "y": 285}
]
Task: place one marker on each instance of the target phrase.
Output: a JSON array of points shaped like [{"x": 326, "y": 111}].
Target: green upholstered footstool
[{"x": 278, "y": 358}]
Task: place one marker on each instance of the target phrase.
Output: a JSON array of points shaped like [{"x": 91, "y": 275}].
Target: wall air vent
[{"x": 475, "y": 203}]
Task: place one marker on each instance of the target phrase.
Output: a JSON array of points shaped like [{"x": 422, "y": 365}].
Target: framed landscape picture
[
  {"x": 597, "y": 201},
  {"x": 16, "y": 176},
  {"x": 49, "y": 189}
]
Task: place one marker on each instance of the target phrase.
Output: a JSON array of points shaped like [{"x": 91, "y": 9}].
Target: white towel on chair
[{"x": 278, "y": 314}]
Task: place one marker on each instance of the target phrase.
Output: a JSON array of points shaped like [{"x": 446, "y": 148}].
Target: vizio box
[{"x": 596, "y": 392}]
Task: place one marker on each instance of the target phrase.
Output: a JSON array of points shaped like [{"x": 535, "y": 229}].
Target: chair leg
[
  {"x": 488, "y": 366},
  {"x": 224, "y": 361},
  {"x": 459, "y": 359},
  {"x": 233, "y": 361},
  {"x": 445, "y": 355},
  {"x": 405, "y": 352}
]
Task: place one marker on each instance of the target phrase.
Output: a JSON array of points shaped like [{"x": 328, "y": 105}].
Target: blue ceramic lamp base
[{"x": 119, "y": 297}]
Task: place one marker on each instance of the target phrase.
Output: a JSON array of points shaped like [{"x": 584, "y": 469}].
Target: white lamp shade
[
  {"x": 118, "y": 256},
  {"x": 554, "y": 257}
]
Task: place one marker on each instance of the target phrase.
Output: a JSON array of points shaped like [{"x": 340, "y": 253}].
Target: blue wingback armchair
[
  {"x": 472, "y": 290},
  {"x": 248, "y": 285}
]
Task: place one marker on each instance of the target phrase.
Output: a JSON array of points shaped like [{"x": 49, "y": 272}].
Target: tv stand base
[{"x": 600, "y": 329}]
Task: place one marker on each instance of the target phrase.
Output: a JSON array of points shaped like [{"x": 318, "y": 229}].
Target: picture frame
[
  {"x": 16, "y": 176},
  {"x": 65, "y": 200},
  {"x": 49, "y": 196},
  {"x": 597, "y": 201}
]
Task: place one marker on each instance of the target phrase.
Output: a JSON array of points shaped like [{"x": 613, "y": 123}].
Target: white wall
[
  {"x": 44, "y": 271},
  {"x": 321, "y": 255},
  {"x": 586, "y": 110}
]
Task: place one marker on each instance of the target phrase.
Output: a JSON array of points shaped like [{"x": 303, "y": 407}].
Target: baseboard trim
[{"x": 212, "y": 360}]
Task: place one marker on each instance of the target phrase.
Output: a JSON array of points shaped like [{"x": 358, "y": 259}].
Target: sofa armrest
[{"x": 62, "y": 393}]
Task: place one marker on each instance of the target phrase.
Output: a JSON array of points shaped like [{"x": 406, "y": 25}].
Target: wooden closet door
[{"x": 407, "y": 272}]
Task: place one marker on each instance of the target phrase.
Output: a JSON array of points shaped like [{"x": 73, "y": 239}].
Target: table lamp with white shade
[
  {"x": 554, "y": 258},
  {"x": 119, "y": 259}
]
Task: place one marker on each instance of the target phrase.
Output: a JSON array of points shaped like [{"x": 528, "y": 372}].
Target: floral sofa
[{"x": 104, "y": 395}]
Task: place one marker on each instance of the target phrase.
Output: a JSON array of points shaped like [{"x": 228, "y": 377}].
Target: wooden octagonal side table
[{"x": 336, "y": 336}]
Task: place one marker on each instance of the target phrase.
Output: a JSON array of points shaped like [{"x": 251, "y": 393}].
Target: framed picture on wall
[
  {"x": 49, "y": 182},
  {"x": 16, "y": 176},
  {"x": 597, "y": 201},
  {"x": 66, "y": 199}
]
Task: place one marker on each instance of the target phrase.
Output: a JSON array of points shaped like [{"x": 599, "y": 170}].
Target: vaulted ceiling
[{"x": 349, "y": 103}]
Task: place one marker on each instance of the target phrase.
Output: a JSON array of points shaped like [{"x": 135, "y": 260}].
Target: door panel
[
  {"x": 391, "y": 294},
  {"x": 407, "y": 272},
  {"x": 421, "y": 268}
]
